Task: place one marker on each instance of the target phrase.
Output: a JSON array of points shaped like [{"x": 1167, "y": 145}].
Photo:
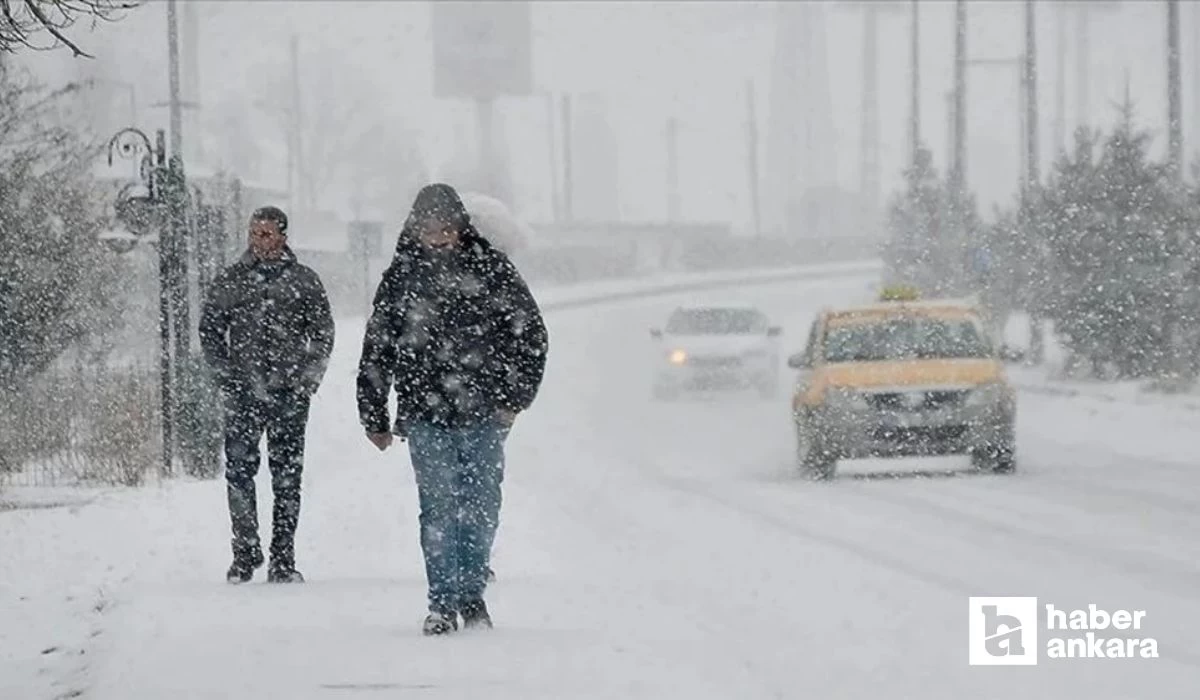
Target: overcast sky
[{"x": 650, "y": 60}]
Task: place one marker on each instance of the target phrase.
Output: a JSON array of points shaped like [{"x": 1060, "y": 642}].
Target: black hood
[{"x": 442, "y": 202}]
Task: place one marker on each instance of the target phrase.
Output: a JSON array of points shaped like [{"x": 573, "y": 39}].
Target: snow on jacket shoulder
[
  {"x": 458, "y": 343},
  {"x": 267, "y": 326}
]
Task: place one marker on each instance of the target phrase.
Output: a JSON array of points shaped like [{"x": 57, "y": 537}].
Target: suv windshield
[
  {"x": 905, "y": 339},
  {"x": 715, "y": 322}
]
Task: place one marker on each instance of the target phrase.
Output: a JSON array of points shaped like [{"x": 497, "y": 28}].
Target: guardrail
[
  {"x": 351, "y": 284},
  {"x": 557, "y": 298}
]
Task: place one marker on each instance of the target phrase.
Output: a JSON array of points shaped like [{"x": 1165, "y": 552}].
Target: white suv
[{"x": 716, "y": 347}]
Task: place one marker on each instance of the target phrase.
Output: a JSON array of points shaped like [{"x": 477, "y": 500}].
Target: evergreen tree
[
  {"x": 57, "y": 285},
  {"x": 929, "y": 227},
  {"x": 914, "y": 220},
  {"x": 1111, "y": 228}
]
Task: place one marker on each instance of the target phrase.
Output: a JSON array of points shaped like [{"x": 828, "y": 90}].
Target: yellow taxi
[{"x": 902, "y": 377}]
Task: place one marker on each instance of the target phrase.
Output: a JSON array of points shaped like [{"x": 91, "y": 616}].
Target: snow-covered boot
[
  {"x": 439, "y": 623},
  {"x": 475, "y": 615},
  {"x": 283, "y": 573},
  {"x": 243, "y": 566}
]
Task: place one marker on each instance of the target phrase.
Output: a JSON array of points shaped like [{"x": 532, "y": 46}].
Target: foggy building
[
  {"x": 800, "y": 142},
  {"x": 594, "y": 154}
]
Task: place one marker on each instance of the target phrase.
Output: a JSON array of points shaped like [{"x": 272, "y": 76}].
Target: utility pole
[
  {"x": 551, "y": 137},
  {"x": 568, "y": 129},
  {"x": 1083, "y": 54},
  {"x": 914, "y": 129},
  {"x": 672, "y": 169},
  {"x": 1195, "y": 61},
  {"x": 1175, "y": 160},
  {"x": 1174, "y": 93},
  {"x": 1060, "y": 79},
  {"x": 752, "y": 156},
  {"x": 1032, "y": 180},
  {"x": 950, "y": 122},
  {"x": 297, "y": 193},
  {"x": 869, "y": 177},
  {"x": 1031, "y": 97},
  {"x": 176, "y": 109},
  {"x": 959, "y": 168},
  {"x": 175, "y": 234},
  {"x": 1022, "y": 128},
  {"x": 178, "y": 194},
  {"x": 952, "y": 239}
]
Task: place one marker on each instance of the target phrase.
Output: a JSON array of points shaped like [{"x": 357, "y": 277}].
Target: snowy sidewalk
[
  {"x": 1047, "y": 378},
  {"x": 1132, "y": 393}
]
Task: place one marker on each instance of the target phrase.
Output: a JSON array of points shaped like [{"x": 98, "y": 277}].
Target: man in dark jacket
[
  {"x": 267, "y": 333},
  {"x": 458, "y": 335}
]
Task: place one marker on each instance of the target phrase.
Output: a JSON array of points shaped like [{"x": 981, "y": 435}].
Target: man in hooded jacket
[
  {"x": 267, "y": 332},
  {"x": 458, "y": 335}
]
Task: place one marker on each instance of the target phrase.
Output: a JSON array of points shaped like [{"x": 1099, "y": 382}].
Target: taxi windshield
[
  {"x": 715, "y": 322},
  {"x": 910, "y": 338}
]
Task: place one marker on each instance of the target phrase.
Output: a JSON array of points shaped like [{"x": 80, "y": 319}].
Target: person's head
[
  {"x": 268, "y": 233},
  {"x": 440, "y": 218}
]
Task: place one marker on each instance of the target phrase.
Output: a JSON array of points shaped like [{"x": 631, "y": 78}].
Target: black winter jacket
[
  {"x": 267, "y": 326},
  {"x": 457, "y": 342}
]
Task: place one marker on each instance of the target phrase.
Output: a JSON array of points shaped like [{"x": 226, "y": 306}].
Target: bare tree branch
[
  {"x": 21, "y": 20},
  {"x": 50, "y": 27}
]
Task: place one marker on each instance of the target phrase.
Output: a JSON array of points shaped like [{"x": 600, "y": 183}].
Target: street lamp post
[{"x": 141, "y": 215}]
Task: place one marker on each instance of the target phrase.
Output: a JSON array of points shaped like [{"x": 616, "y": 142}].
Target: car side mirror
[
  {"x": 774, "y": 332},
  {"x": 656, "y": 333},
  {"x": 1010, "y": 354},
  {"x": 799, "y": 361}
]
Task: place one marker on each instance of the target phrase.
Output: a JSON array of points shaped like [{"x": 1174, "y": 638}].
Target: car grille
[
  {"x": 930, "y": 434},
  {"x": 916, "y": 400},
  {"x": 715, "y": 361}
]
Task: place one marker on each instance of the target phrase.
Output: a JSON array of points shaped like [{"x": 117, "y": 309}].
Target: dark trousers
[
  {"x": 283, "y": 416},
  {"x": 459, "y": 472}
]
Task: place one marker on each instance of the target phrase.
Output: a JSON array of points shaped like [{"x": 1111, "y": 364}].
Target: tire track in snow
[
  {"x": 1188, "y": 657},
  {"x": 1149, "y": 571}
]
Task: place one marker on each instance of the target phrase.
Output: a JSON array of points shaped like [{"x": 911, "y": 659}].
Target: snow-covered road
[{"x": 647, "y": 550}]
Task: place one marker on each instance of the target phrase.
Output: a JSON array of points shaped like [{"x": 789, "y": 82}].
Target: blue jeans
[{"x": 458, "y": 474}]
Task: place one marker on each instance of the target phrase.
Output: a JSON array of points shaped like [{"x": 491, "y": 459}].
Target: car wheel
[
  {"x": 815, "y": 461},
  {"x": 1000, "y": 458}
]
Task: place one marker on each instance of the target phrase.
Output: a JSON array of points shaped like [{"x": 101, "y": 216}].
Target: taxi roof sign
[{"x": 899, "y": 293}]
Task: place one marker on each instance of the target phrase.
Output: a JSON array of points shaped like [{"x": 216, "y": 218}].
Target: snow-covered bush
[
  {"x": 930, "y": 230},
  {"x": 60, "y": 290},
  {"x": 1116, "y": 232}
]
